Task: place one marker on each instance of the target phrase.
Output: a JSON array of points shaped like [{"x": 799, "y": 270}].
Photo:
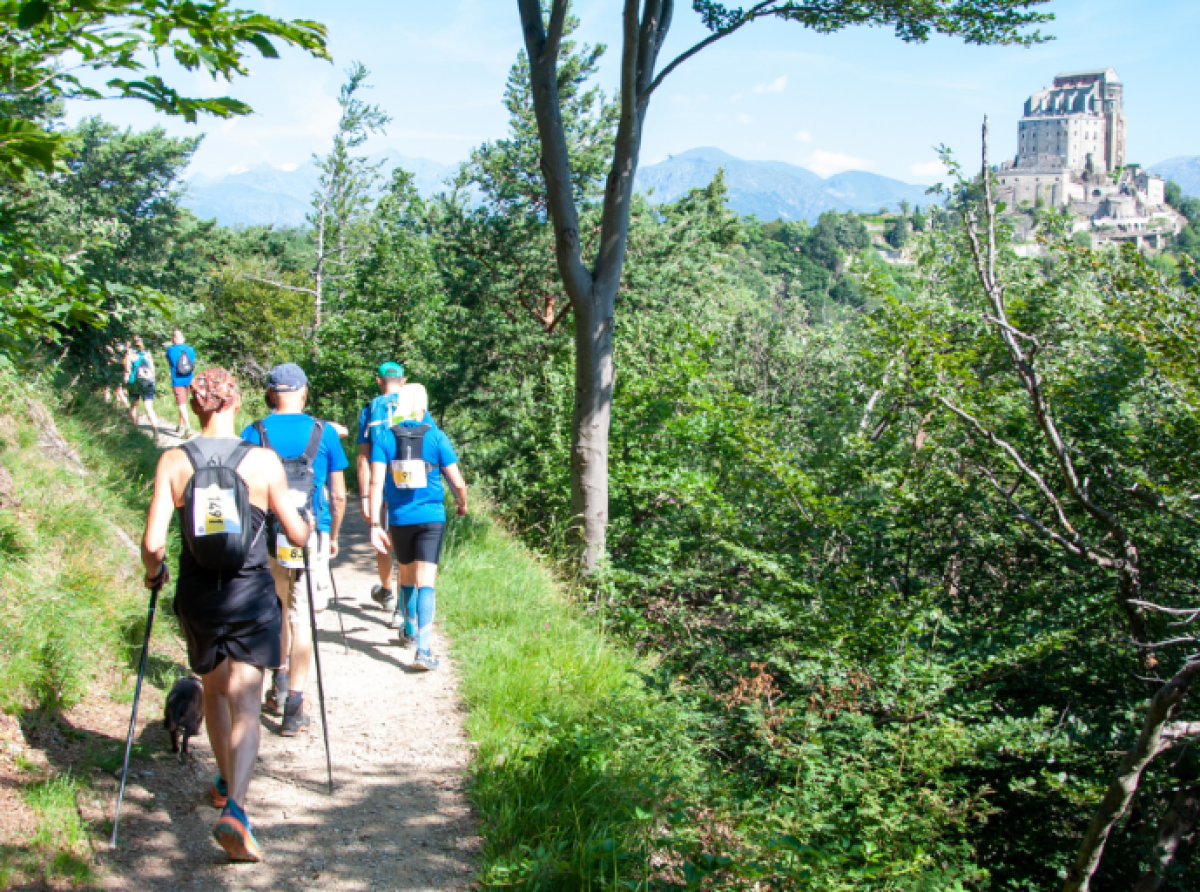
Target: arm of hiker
[
  {"x": 158, "y": 521},
  {"x": 455, "y": 478},
  {"x": 378, "y": 537},
  {"x": 363, "y": 468},
  {"x": 337, "y": 508},
  {"x": 295, "y": 527}
]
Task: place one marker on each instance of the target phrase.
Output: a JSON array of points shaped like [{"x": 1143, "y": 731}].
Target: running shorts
[
  {"x": 418, "y": 542},
  {"x": 255, "y": 642},
  {"x": 139, "y": 390},
  {"x": 182, "y": 394}
]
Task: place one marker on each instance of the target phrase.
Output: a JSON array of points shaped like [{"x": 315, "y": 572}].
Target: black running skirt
[{"x": 255, "y": 642}]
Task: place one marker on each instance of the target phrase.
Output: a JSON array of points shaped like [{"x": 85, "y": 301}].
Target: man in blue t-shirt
[
  {"x": 181, "y": 360},
  {"x": 289, "y": 431},
  {"x": 390, "y": 378},
  {"x": 406, "y": 473}
]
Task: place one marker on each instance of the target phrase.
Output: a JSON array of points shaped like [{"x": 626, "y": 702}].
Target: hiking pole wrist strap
[{"x": 160, "y": 577}]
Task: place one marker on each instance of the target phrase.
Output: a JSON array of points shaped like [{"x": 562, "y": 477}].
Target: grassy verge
[
  {"x": 583, "y": 768},
  {"x": 76, "y": 479}
]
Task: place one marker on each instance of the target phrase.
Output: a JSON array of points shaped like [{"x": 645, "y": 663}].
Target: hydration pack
[
  {"x": 409, "y": 469},
  {"x": 216, "y": 518},
  {"x": 301, "y": 486},
  {"x": 145, "y": 369},
  {"x": 183, "y": 365}
]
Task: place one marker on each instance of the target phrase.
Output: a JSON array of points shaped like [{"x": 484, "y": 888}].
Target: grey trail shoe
[{"x": 384, "y": 597}]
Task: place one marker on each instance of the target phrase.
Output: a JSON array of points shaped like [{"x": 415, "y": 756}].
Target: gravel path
[{"x": 398, "y": 818}]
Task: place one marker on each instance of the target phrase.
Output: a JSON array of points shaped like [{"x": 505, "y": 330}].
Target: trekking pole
[
  {"x": 137, "y": 694},
  {"x": 312, "y": 617},
  {"x": 338, "y": 605}
]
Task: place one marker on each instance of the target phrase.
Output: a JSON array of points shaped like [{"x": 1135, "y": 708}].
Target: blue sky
[{"x": 860, "y": 99}]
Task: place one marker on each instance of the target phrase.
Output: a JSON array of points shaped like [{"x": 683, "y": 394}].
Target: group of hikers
[
  {"x": 260, "y": 515},
  {"x": 137, "y": 377}
]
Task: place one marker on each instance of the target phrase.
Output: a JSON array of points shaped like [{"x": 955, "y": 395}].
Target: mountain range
[
  {"x": 1183, "y": 170},
  {"x": 771, "y": 190},
  {"x": 265, "y": 194}
]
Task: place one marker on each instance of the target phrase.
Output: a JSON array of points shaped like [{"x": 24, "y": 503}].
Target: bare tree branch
[{"x": 1129, "y": 774}]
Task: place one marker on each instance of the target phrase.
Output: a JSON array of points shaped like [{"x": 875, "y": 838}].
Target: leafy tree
[
  {"x": 592, "y": 290},
  {"x": 896, "y": 233},
  {"x": 918, "y": 220},
  {"x": 41, "y": 293}
]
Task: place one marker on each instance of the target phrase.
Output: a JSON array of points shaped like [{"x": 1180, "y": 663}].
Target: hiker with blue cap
[
  {"x": 313, "y": 459},
  {"x": 379, "y": 412}
]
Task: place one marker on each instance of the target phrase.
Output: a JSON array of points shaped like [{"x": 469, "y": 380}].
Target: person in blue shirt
[
  {"x": 407, "y": 473},
  {"x": 389, "y": 378},
  {"x": 139, "y": 381},
  {"x": 288, "y": 431},
  {"x": 181, "y": 360}
]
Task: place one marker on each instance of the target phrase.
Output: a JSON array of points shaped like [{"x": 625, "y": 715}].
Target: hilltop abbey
[{"x": 1071, "y": 156}]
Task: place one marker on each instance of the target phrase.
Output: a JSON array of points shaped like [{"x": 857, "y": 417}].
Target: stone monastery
[{"x": 1071, "y": 156}]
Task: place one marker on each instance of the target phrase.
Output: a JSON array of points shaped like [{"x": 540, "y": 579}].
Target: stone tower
[{"x": 1077, "y": 124}]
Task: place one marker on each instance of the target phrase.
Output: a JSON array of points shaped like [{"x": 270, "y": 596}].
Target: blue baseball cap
[{"x": 286, "y": 378}]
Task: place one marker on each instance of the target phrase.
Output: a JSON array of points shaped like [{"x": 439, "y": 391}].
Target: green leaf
[{"x": 32, "y": 14}]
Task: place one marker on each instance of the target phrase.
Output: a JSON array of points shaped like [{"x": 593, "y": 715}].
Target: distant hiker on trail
[
  {"x": 139, "y": 381},
  {"x": 380, "y": 411},
  {"x": 181, "y": 360},
  {"x": 313, "y": 458},
  {"x": 408, "y": 460},
  {"x": 113, "y": 357},
  {"x": 222, "y": 488}
]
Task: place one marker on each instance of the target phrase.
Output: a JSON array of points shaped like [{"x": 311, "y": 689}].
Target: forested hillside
[{"x": 906, "y": 554}]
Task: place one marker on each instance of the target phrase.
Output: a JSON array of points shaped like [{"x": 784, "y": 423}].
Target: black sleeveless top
[{"x": 216, "y": 598}]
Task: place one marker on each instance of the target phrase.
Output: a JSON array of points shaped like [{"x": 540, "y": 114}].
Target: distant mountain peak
[{"x": 774, "y": 190}]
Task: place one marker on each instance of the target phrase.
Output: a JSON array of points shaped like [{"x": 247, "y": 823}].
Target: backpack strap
[
  {"x": 314, "y": 442},
  {"x": 262, "y": 434},
  {"x": 240, "y": 451},
  {"x": 201, "y": 458},
  {"x": 192, "y": 451}
]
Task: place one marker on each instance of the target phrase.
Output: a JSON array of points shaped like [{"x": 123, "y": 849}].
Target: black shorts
[
  {"x": 418, "y": 542},
  {"x": 255, "y": 642},
  {"x": 141, "y": 390}
]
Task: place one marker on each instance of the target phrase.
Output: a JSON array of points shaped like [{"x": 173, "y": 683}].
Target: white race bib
[
  {"x": 216, "y": 512},
  {"x": 409, "y": 474},
  {"x": 288, "y": 555}
]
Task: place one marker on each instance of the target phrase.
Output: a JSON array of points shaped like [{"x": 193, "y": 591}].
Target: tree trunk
[
  {"x": 1176, "y": 839},
  {"x": 592, "y": 291},
  {"x": 1129, "y": 774},
  {"x": 590, "y": 424}
]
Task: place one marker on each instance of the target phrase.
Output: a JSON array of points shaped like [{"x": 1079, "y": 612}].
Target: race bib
[
  {"x": 216, "y": 512},
  {"x": 409, "y": 474},
  {"x": 288, "y": 555}
]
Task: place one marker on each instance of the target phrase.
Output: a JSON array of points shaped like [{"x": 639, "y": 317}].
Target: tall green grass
[
  {"x": 71, "y": 598},
  {"x": 581, "y": 767}
]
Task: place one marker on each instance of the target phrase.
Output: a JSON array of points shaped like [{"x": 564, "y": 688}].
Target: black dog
[{"x": 184, "y": 713}]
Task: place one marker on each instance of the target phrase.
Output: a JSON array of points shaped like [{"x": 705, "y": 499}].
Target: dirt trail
[{"x": 398, "y": 818}]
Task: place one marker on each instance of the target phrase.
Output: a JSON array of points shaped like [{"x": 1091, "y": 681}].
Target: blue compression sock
[
  {"x": 408, "y": 599},
  {"x": 425, "y": 602}
]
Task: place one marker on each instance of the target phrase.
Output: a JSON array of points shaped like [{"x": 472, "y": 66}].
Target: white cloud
[
  {"x": 828, "y": 163},
  {"x": 776, "y": 86},
  {"x": 803, "y": 136},
  {"x": 289, "y": 167},
  {"x": 927, "y": 171},
  {"x": 744, "y": 119}
]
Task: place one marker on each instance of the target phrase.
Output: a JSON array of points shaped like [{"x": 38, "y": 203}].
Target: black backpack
[
  {"x": 216, "y": 517},
  {"x": 409, "y": 443},
  {"x": 300, "y": 477},
  {"x": 183, "y": 365}
]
